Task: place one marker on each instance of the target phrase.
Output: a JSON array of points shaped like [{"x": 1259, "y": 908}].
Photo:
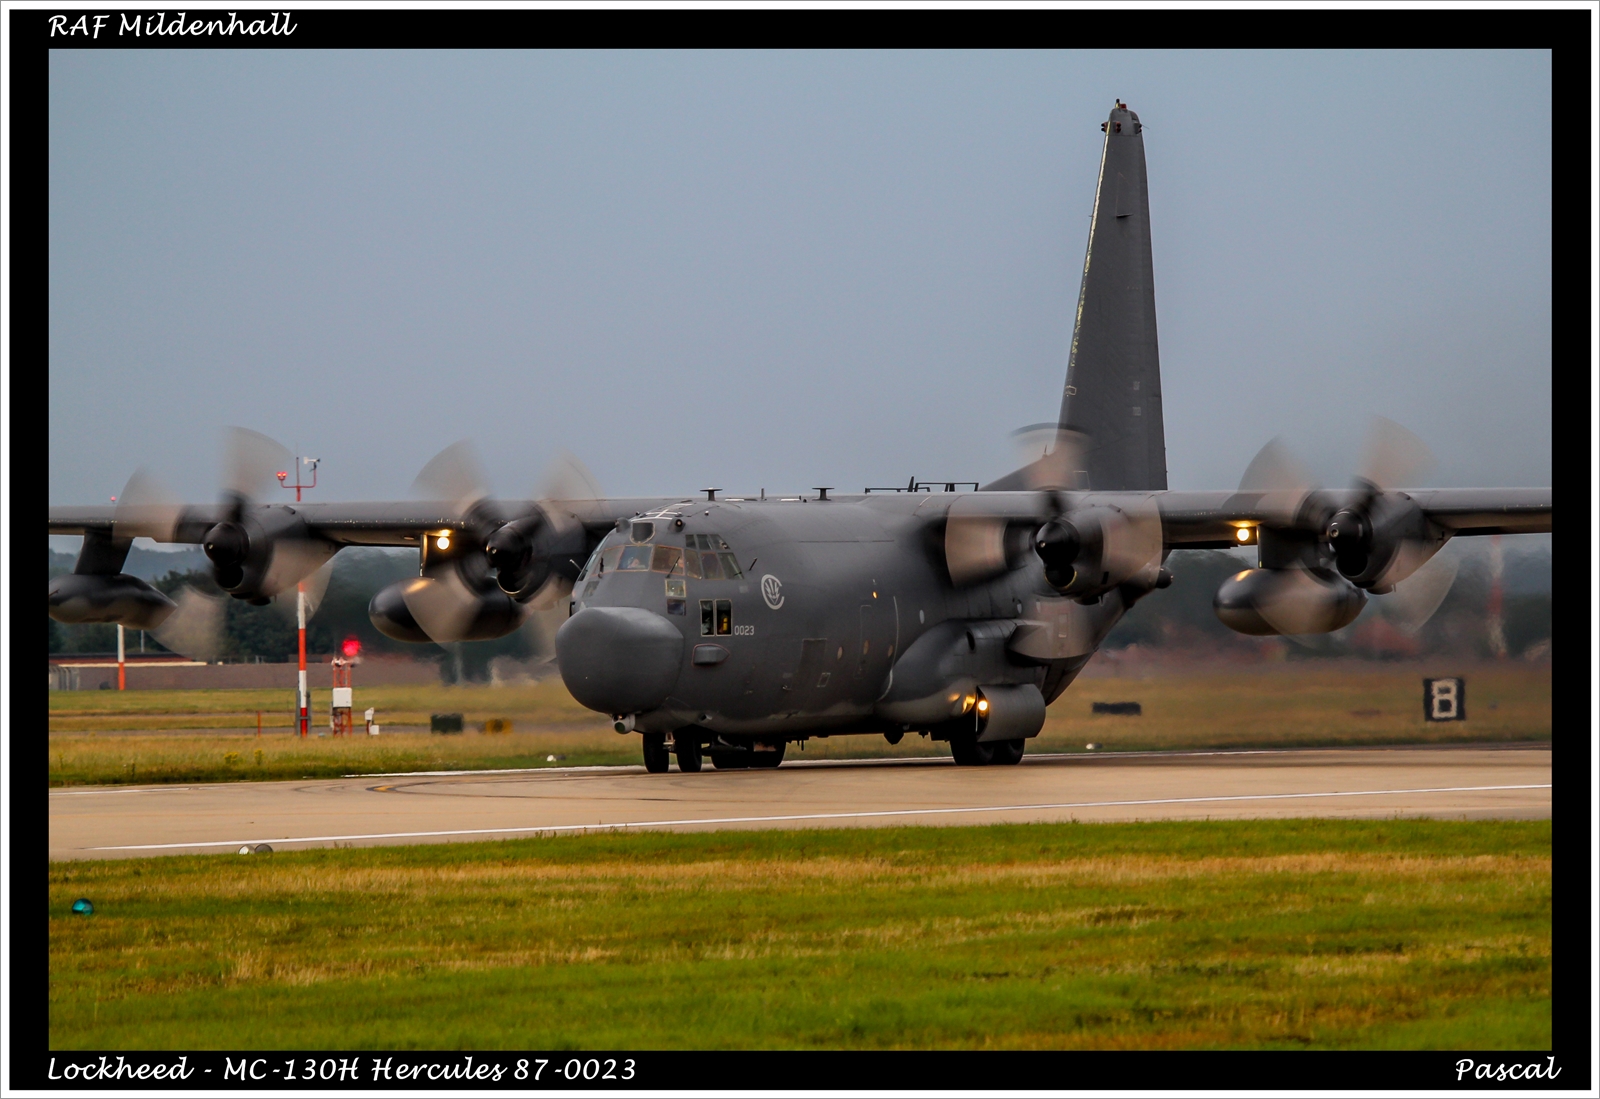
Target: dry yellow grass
[{"x": 1305, "y": 705}]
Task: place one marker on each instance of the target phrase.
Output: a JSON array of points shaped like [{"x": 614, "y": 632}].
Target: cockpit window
[
  {"x": 643, "y": 531},
  {"x": 590, "y": 565},
  {"x": 667, "y": 559},
  {"x": 635, "y": 559},
  {"x": 708, "y": 557}
]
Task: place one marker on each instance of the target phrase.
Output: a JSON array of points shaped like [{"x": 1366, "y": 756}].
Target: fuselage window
[{"x": 716, "y": 617}]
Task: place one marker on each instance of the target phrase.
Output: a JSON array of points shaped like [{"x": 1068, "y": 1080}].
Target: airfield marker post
[
  {"x": 340, "y": 717},
  {"x": 122, "y": 661},
  {"x": 304, "y": 694},
  {"x": 300, "y": 589}
]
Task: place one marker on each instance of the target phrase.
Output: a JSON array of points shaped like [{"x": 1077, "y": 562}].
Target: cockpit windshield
[{"x": 704, "y": 557}]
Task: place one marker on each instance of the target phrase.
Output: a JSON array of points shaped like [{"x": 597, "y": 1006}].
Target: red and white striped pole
[
  {"x": 122, "y": 661},
  {"x": 305, "y": 694}
]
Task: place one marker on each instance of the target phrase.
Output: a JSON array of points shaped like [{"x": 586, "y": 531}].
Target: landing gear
[
  {"x": 1008, "y": 751},
  {"x": 687, "y": 747},
  {"x": 656, "y": 756},
  {"x": 768, "y": 759},
  {"x": 967, "y": 752}
]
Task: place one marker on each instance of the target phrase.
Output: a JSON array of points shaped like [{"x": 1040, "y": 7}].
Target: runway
[{"x": 112, "y": 822}]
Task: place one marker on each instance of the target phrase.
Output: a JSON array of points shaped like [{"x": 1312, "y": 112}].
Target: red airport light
[
  {"x": 351, "y": 647},
  {"x": 283, "y": 475}
]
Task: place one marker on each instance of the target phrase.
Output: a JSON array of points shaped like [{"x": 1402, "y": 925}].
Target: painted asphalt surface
[{"x": 1472, "y": 782}]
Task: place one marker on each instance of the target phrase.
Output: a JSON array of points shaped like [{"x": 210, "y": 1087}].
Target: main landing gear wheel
[
  {"x": 1008, "y": 751},
  {"x": 768, "y": 759},
  {"x": 967, "y": 752},
  {"x": 688, "y": 752},
  {"x": 656, "y": 756},
  {"x": 730, "y": 761}
]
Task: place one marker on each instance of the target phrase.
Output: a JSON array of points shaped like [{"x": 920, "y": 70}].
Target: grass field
[
  {"x": 1258, "y": 934},
  {"x": 139, "y": 737}
]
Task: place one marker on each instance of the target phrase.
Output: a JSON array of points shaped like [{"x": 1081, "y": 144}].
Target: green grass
[
  {"x": 1249, "y": 934},
  {"x": 1295, "y": 705}
]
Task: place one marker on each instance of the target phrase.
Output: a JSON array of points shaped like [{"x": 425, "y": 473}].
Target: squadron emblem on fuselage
[{"x": 772, "y": 591}]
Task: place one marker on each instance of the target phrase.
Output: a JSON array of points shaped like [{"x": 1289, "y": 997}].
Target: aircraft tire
[
  {"x": 688, "y": 752},
  {"x": 1007, "y": 752},
  {"x": 768, "y": 760},
  {"x": 730, "y": 761},
  {"x": 656, "y": 756},
  {"x": 967, "y": 752}
]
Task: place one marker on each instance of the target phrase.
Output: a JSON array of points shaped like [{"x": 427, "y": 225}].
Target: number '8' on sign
[{"x": 1444, "y": 699}]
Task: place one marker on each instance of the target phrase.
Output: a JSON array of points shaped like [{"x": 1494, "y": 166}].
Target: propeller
[
  {"x": 1281, "y": 480},
  {"x": 1414, "y": 602},
  {"x": 498, "y": 566},
  {"x": 1085, "y": 548},
  {"x": 1374, "y": 535},
  {"x": 257, "y": 554},
  {"x": 146, "y": 509},
  {"x": 195, "y": 629}
]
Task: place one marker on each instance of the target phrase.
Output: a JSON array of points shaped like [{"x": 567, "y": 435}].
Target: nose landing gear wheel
[
  {"x": 656, "y": 756},
  {"x": 1008, "y": 751},
  {"x": 688, "y": 752},
  {"x": 967, "y": 752}
]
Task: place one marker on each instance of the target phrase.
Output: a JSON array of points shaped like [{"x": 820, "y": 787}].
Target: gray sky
[{"x": 779, "y": 270}]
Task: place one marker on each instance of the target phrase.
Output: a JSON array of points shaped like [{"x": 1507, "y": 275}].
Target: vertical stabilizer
[{"x": 1113, "y": 391}]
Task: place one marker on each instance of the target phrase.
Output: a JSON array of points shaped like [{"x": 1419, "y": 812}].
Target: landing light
[
  {"x": 1243, "y": 534},
  {"x": 444, "y": 540},
  {"x": 983, "y": 705}
]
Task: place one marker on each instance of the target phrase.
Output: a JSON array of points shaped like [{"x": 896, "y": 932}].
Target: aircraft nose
[{"x": 619, "y": 660}]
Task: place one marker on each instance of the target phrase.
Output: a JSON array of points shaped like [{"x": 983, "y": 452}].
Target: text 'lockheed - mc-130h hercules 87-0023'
[{"x": 734, "y": 626}]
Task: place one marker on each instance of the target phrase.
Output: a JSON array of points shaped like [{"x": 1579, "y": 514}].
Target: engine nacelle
[
  {"x": 1263, "y": 602},
  {"x": 487, "y": 614},
  {"x": 1380, "y": 544},
  {"x": 526, "y": 552},
  {"x": 259, "y": 555},
  {"x": 77, "y": 598},
  {"x": 1092, "y": 550},
  {"x": 239, "y": 561}
]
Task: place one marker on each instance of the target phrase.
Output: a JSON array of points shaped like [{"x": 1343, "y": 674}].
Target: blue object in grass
[{"x": 82, "y": 907}]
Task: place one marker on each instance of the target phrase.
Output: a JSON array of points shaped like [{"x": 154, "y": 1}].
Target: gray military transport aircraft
[{"x": 733, "y": 626}]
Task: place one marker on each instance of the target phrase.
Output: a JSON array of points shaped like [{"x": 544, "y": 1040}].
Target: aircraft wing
[
  {"x": 1200, "y": 520},
  {"x": 396, "y": 523}
]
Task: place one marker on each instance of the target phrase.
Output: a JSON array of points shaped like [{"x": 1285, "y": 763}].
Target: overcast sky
[{"x": 779, "y": 270}]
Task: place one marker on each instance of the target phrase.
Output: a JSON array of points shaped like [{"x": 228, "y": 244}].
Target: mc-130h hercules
[{"x": 736, "y": 625}]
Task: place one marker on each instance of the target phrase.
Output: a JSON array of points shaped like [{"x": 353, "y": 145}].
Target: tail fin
[{"x": 1113, "y": 391}]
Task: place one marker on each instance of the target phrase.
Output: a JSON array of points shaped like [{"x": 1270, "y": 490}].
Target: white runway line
[{"x": 821, "y": 816}]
